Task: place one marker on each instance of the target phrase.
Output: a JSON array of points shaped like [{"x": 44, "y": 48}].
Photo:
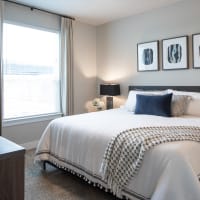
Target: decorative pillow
[
  {"x": 193, "y": 107},
  {"x": 131, "y": 100},
  {"x": 179, "y": 104},
  {"x": 154, "y": 104}
]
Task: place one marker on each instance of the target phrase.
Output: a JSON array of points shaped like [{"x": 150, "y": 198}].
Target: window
[{"x": 30, "y": 72}]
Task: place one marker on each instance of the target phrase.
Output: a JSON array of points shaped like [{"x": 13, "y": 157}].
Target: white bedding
[{"x": 169, "y": 171}]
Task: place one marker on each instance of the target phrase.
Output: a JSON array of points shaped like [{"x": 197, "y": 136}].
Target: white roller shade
[{"x": 24, "y": 15}]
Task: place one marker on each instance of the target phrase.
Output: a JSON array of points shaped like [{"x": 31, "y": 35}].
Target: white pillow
[
  {"x": 131, "y": 100},
  {"x": 194, "y": 95},
  {"x": 193, "y": 107}
]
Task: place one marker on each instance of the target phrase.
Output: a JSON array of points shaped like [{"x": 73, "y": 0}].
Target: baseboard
[{"x": 30, "y": 145}]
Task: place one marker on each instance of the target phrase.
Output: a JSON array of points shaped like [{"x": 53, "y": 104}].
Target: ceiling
[{"x": 96, "y": 12}]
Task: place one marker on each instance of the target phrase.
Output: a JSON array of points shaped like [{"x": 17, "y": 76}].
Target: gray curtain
[
  {"x": 1, "y": 62},
  {"x": 66, "y": 61}
]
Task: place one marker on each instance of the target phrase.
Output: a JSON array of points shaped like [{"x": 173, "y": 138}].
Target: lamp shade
[{"x": 110, "y": 89}]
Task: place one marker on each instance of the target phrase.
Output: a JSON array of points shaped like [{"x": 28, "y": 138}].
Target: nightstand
[{"x": 11, "y": 170}]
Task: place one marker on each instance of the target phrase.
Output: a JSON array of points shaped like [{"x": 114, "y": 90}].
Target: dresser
[{"x": 11, "y": 170}]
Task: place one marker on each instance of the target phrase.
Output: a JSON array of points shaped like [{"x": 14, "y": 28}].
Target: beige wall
[
  {"x": 112, "y": 48},
  {"x": 24, "y": 133},
  {"x": 84, "y": 83},
  {"x": 84, "y": 65},
  {"x": 117, "y": 45}
]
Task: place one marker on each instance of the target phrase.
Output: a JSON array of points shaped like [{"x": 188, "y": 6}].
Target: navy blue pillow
[{"x": 154, "y": 104}]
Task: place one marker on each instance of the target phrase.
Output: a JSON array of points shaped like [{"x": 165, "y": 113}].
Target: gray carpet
[{"x": 54, "y": 184}]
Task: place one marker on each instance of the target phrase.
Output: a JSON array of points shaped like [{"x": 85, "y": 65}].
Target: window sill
[{"x": 30, "y": 119}]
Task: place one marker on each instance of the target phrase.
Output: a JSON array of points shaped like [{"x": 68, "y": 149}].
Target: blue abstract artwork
[
  {"x": 174, "y": 53},
  {"x": 147, "y": 56}
]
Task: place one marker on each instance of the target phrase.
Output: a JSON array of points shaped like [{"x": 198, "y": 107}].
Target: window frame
[{"x": 30, "y": 119}]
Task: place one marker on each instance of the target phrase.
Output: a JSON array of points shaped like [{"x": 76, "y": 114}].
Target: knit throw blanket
[{"x": 125, "y": 152}]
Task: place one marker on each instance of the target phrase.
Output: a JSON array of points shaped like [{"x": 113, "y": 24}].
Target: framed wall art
[
  {"x": 196, "y": 50},
  {"x": 175, "y": 53},
  {"x": 147, "y": 56}
]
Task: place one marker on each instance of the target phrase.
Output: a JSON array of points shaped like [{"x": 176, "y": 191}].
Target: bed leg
[{"x": 44, "y": 165}]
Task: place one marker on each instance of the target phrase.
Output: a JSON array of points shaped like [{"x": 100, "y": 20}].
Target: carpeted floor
[{"x": 54, "y": 184}]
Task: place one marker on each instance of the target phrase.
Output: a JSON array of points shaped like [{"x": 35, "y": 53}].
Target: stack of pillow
[{"x": 167, "y": 103}]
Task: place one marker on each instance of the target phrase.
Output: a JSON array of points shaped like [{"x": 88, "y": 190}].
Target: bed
[{"x": 169, "y": 171}]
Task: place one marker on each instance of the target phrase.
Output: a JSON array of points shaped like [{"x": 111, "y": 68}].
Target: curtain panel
[
  {"x": 66, "y": 61},
  {"x": 1, "y": 61}
]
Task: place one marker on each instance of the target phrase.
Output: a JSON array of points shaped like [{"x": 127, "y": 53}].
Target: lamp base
[{"x": 109, "y": 103}]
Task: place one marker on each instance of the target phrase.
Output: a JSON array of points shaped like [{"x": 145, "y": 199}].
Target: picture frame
[
  {"x": 196, "y": 50},
  {"x": 147, "y": 56},
  {"x": 175, "y": 53}
]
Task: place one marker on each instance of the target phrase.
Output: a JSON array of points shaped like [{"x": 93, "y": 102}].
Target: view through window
[{"x": 30, "y": 71}]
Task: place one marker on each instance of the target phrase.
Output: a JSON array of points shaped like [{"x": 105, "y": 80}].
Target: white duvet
[{"x": 169, "y": 171}]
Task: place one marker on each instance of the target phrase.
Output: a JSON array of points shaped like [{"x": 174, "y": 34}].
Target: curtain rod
[{"x": 35, "y": 8}]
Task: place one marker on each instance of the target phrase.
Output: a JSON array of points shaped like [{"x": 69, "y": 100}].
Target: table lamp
[{"x": 109, "y": 90}]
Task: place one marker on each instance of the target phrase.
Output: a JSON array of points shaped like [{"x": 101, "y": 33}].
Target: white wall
[
  {"x": 117, "y": 45},
  {"x": 84, "y": 83}
]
